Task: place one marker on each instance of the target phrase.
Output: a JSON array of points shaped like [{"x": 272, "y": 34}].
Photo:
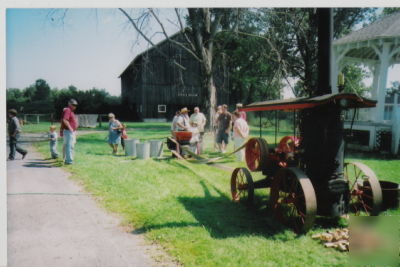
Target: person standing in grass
[
  {"x": 14, "y": 130},
  {"x": 242, "y": 113},
  {"x": 124, "y": 135},
  {"x": 224, "y": 127},
  {"x": 240, "y": 133},
  {"x": 53, "y": 142},
  {"x": 200, "y": 120},
  {"x": 174, "y": 121},
  {"x": 114, "y": 133},
  {"x": 69, "y": 124}
]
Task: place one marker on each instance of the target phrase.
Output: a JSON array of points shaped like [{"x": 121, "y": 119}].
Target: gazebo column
[
  {"x": 374, "y": 92},
  {"x": 395, "y": 126},
  {"x": 383, "y": 70}
]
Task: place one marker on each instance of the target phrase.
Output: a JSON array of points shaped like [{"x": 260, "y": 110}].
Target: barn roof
[
  {"x": 388, "y": 27},
  {"x": 135, "y": 59}
]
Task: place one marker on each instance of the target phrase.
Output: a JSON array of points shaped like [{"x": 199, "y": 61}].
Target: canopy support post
[{"x": 260, "y": 124}]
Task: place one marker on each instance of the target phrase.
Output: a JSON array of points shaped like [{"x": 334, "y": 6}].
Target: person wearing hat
[
  {"x": 200, "y": 120},
  {"x": 14, "y": 130},
  {"x": 69, "y": 124},
  {"x": 183, "y": 120},
  {"x": 242, "y": 113}
]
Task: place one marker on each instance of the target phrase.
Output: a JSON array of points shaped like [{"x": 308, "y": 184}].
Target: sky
[{"x": 91, "y": 48}]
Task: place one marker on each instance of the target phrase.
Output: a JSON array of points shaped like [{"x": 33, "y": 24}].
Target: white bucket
[
  {"x": 155, "y": 148},
  {"x": 143, "y": 150},
  {"x": 130, "y": 147}
]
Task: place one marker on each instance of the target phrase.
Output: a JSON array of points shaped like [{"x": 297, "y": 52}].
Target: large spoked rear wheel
[
  {"x": 242, "y": 186},
  {"x": 364, "y": 189},
  {"x": 293, "y": 199},
  {"x": 256, "y": 154}
]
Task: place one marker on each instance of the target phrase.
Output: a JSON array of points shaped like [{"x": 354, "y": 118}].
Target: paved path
[
  {"x": 52, "y": 222},
  {"x": 34, "y": 137}
]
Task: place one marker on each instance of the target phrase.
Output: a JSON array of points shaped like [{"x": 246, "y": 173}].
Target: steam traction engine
[{"x": 306, "y": 174}]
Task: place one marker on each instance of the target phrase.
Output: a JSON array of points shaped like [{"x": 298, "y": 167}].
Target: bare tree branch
[
  {"x": 172, "y": 40},
  {"x": 184, "y": 31},
  {"x": 147, "y": 39}
]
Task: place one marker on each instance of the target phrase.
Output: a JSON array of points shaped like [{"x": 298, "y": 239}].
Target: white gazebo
[{"x": 376, "y": 46}]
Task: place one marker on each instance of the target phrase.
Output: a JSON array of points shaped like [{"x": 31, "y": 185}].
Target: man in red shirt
[{"x": 69, "y": 124}]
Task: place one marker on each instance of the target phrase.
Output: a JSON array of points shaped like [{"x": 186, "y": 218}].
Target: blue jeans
[
  {"x": 53, "y": 149},
  {"x": 69, "y": 142},
  {"x": 13, "y": 142}
]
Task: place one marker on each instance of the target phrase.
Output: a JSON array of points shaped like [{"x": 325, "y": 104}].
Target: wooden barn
[{"x": 153, "y": 88}]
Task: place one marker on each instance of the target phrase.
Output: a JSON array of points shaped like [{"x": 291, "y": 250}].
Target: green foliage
[
  {"x": 39, "y": 98},
  {"x": 390, "y": 10},
  {"x": 293, "y": 32},
  {"x": 252, "y": 75},
  {"x": 354, "y": 74},
  {"x": 346, "y": 18},
  {"x": 29, "y": 92},
  {"x": 42, "y": 91}
]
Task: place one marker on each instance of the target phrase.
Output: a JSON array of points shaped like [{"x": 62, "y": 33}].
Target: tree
[
  {"x": 347, "y": 18},
  {"x": 354, "y": 75},
  {"x": 294, "y": 34},
  {"x": 29, "y": 92},
  {"x": 390, "y": 10},
  {"x": 250, "y": 61},
  {"x": 14, "y": 94},
  {"x": 42, "y": 91}
]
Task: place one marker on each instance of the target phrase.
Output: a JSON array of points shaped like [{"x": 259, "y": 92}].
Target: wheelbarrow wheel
[
  {"x": 256, "y": 153},
  {"x": 364, "y": 189},
  {"x": 242, "y": 186},
  {"x": 292, "y": 199}
]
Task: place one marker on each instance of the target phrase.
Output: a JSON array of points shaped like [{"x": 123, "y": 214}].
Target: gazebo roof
[{"x": 386, "y": 28}]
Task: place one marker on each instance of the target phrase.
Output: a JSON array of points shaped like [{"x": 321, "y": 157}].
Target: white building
[{"x": 377, "y": 46}]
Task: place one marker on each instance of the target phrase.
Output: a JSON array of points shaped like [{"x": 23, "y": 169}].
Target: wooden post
[
  {"x": 260, "y": 125},
  {"x": 276, "y": 126}
]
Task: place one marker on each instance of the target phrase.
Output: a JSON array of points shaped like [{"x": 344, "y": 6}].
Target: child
[
  {"x": 124, "y": 135},
  {"x": 53, "y": 142}
]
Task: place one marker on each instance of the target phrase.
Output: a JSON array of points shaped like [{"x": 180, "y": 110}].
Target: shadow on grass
[
  {"x": 43, "y": 163},
  {"x": 223, "y": 218}
]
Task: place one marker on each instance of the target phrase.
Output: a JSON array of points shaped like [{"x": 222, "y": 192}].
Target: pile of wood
[{"x": 338, "y": 239}]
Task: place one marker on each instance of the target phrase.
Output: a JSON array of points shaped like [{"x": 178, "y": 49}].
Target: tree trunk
[{"x": 212, "y": 92}]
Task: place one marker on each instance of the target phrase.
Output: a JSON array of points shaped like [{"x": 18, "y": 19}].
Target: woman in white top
[
  {"x": 240, "y": 133},
  {"x": 174, "y": 121}
]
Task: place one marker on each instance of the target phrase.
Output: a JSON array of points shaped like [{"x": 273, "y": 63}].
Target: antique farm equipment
[
  {"x": 179, "y": 140},
  {"x": 306, "y": 172}
]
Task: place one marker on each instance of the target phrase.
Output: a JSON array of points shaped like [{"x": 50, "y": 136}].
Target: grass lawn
[{"x": 187, "y": 209}]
